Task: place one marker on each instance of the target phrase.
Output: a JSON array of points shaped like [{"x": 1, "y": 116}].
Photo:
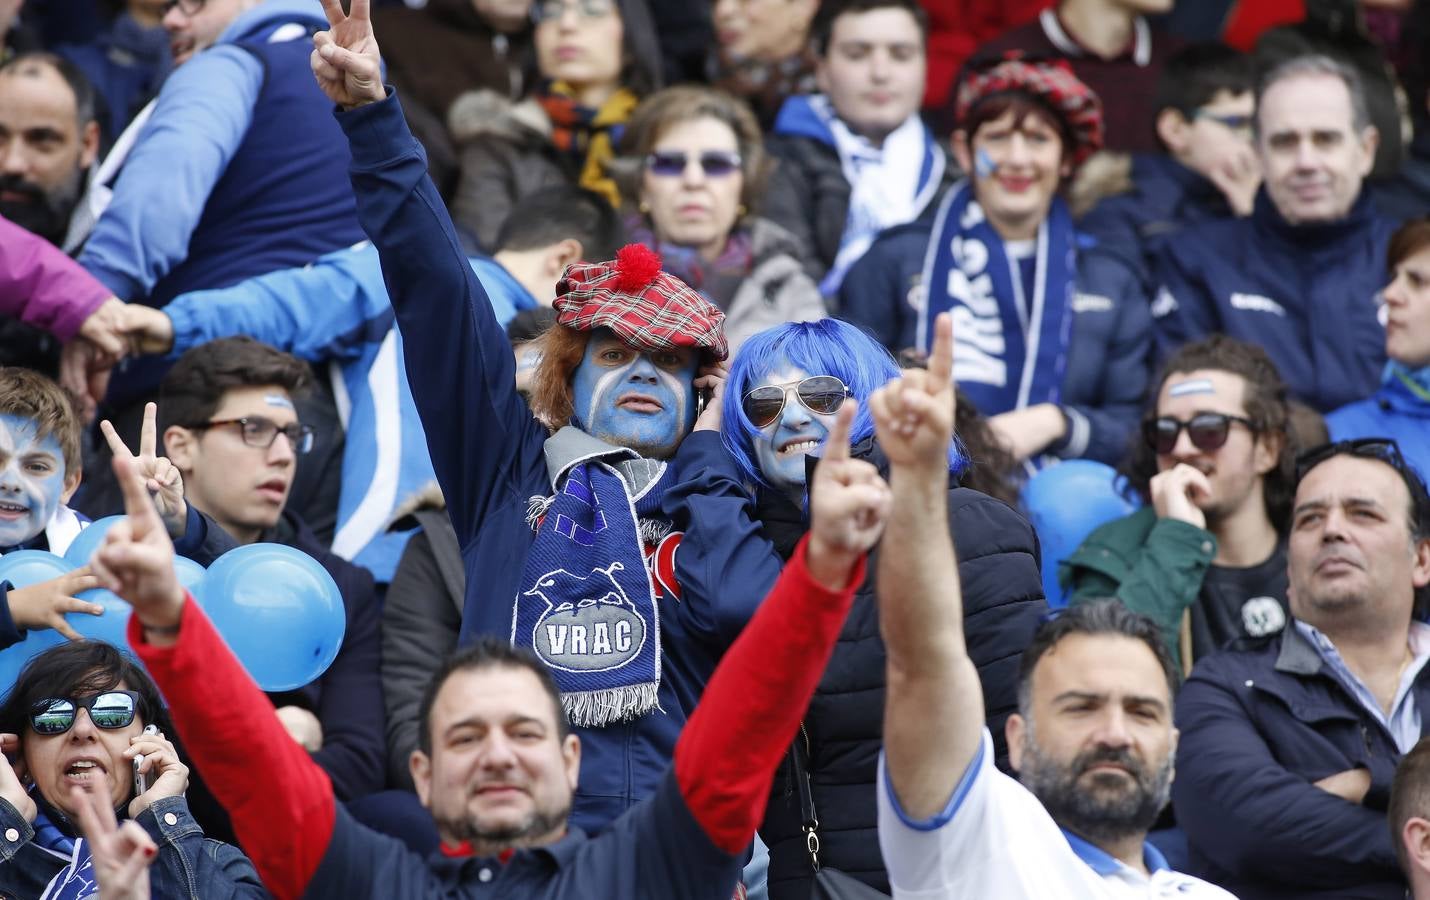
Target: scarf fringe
[
  {"x": 653, "y": 531},
  {"x": 594, "y": 709},
  {"x": 536, "y": 507}
]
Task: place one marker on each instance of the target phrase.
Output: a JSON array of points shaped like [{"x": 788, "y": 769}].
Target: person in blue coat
[
  {"x": 1400, "y": 407},
  {"x": 1301, "y": 274},
  {"x": 1052, "y": 337}
]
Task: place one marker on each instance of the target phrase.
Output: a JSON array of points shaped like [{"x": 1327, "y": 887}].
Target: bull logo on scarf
[{"x": 600, "y": 630}]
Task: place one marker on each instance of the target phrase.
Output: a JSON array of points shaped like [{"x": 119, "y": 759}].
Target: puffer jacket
[{"x": 777, "y": 290}]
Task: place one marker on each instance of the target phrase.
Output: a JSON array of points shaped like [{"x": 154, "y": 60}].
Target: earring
[
  {"x": 644, "y": 208},
  {"x": 740, "y": 211}
]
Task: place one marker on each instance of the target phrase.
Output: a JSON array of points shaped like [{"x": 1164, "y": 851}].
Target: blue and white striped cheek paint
[
  {"x": 32, "y": 479},
  {"x": 634, "y": 403}
]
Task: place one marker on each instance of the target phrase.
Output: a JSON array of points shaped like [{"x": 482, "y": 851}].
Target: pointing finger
[
  {"x": 940, "y": 367},
  {"x": 143, "y": 518},
  {"x": 836, "y": 445}
]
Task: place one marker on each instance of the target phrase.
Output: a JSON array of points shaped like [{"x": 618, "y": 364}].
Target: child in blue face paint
[{"x": 39, "y": 471}]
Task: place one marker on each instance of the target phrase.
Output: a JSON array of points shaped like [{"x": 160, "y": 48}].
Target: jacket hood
[
  {"x": 270, "y": 14},
  {"x": 798, "y": 118},
  {"x": 769, "y": 239},
  {"x": 1104, "y": 175},
  {"x": 478, "y": 114}
]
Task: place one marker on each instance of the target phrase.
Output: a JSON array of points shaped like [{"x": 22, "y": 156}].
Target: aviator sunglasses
[
  {"x": 671, "y": 163},
  {"x": 1207, "y": 431},
  {"x": 107, "y": 709},
  {"x": 822, "y": 394}
]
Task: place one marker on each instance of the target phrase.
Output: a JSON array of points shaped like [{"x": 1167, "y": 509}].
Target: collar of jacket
[
  {"x": 1297, "y": 656},
  {"x": 1318, "y": 235}
]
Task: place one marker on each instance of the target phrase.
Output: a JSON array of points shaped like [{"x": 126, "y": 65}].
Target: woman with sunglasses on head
[
  {"x": 84, "y": 717},
  {"x": 693, "y": 164},
  {"x": 1053, "y": 335},
  {"x": 744, "y": 505},
  {"x": 596, "y": 60}
]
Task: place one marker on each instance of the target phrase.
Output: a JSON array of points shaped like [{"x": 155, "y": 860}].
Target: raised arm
[
  {"x": 42, "y": 287},
  {"x": 933, "y": 712}
]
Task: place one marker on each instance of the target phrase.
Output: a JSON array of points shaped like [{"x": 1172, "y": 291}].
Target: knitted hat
[
  {"x": 1052, "y": 82},
  {"x": 645, "y": 307}
]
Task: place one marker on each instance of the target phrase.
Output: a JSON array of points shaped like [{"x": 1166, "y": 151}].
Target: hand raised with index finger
[
  {"x": 848, "y": 502},
  {"x": 913, "y": 414},
  {"x": 345, "y": 58},
  {"x": 136, "y": 560}
]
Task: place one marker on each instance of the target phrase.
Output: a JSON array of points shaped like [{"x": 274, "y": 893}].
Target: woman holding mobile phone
[{"x": 83, "y": 715}]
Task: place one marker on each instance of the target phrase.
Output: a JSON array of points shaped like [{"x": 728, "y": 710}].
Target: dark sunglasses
[
  {"x": 1383, "y": 449},
  {"x": 822, "y": 394},
  {"x": 1208, "y": 431},
  {"x": 671, "y": 163},
  {"x": 110, "y": 709}
]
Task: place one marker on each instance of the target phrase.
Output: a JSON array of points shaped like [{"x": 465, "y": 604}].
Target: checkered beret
[
  {"x": 646, "y": 307},
  {"x": 1052, "y": 82}
]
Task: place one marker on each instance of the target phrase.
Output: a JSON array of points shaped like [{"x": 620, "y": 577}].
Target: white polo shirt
[{"x": 995, "y": 840}]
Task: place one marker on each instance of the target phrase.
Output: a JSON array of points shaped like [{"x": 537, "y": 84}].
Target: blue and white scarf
[
  {"x": 1009, "y": 350},
  {"x": 587, "y": 605},
  {"x": 77, "y": 880}
]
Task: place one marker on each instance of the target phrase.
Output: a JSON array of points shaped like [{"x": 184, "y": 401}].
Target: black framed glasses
[
  {"x": 260, "y": 432},
  {"x": 822, "y": 394},
  {"x": 544, "y": 10},
  {"x": 1208, "y": 431},
  {"x": 187, "y": 7},
  {"x": 107, "y": 709},
  {"x": 672, "y": 163},
  {"x": 1237, "y": 122}
]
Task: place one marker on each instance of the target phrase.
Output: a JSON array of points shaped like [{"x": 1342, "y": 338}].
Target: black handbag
[{"x": 829, "y": 884}]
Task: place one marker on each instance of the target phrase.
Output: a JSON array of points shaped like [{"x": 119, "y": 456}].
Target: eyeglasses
[
  {"x": 672, "y": 163},
  {"x": 1208, "y": 431},
  {"x": 187, "y": 7},
  {"x": 260, "y": 432},
  {"x": 822, "y": 394},
  {"x": 1237, "y": 122},
  {"x": 555, "y": 9},
  {"x": 110, "y": 709}
]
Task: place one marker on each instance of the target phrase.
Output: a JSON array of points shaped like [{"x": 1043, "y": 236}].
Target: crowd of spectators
[{"x": 656, "y": 382}]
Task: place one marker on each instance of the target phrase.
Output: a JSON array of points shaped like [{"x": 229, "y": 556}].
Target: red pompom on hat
[{"x": 646, "y": 307}]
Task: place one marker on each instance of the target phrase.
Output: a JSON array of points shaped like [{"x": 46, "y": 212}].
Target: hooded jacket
[{"x": 1396, "y": 411}]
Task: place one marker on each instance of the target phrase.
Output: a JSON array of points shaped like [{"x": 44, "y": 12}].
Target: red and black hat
[
  {"x": 646, "y": 307},
  {"x": 1051, "y": 81}
]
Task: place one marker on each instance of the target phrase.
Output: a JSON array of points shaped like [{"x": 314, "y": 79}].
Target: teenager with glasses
[
  {"x": 695, "y": 167},
  {"x": 1289, "y": 744},
  {"x": 747, "y": 470},
  {"x": 1205, "y": 556},
  {"x": 75, "y": 722}
]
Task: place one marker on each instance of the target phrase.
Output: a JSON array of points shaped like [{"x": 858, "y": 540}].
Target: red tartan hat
[
  {"x": 1052, "y": 81},
  {"x": 646, "y": 307}
]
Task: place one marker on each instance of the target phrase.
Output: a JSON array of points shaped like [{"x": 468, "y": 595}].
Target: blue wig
[{"x": 825, "y": 347}]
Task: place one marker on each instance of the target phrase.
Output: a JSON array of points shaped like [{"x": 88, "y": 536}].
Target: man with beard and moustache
[
  {"x": 1205, "y": 556},
  {"x": 1290, "y": 744},
  {"x": 1093, "y": 740}
]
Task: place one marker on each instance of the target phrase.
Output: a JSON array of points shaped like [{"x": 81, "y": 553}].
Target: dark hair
[
  {"x": 1096, "y": 617},
  {"x": 554, "y": 214},
  {"x": 85, "y": 96},
  {"x": 1194, "y": 75},
  {"x": 1415, "y": 53},
  {"x": 487, "y": 653},
  {"x": 1022, "y": 105},
  {"x": 27, "y": 394},
  {"x": 1266, "y": 404},
  {"x": 195, "y": 386},
  {"x": 821, "y": 28},
  {"x": 79, "y": 669},
  {"x": 640, "y": 48},
  {"x": 1409, "y": 796},
  {"x": 1409, "y": 239}
]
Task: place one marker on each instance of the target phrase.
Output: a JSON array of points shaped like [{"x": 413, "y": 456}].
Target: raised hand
[
  {"x": 848, "y": 503},
  {"x": 102, "y": 328},
  {"x": 84, "y": 372},
  {"x": 121, "y": 853},
  {"x": 160, "y": 476},
  {"x": 136, "y": 560},
  {"x": 1179, "y": 493},
  {"x": 711, "y": 378},
  {"x": 913, "y": 414},
  {"x": 12, "y": 789},
  {"x": 145, "y": 329},
  {"x": 44, "y": 605},
  {"x": 345, "y": 58}
]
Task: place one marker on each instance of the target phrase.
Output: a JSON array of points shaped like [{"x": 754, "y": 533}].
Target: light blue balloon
[
  {"x": 279, "y": 611},
  {"x": 110, "y": 627},
  {"x": 190, "y": 573},
  {"x": 1066, "y": 502},
  {"x": 26, "y": 567},
  {"x": 14, "y": 657},
  {"x": 89, "y": 539}
]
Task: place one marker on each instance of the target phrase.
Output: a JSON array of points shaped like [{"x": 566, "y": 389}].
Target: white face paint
[
  {"x": 278, "y": 400},
  {"x": 1191, "y": 387},
  {"x": 32, "y": 479}
]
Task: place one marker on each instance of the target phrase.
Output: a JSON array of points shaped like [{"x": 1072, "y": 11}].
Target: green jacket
[{"x": 1154, "y": 566}]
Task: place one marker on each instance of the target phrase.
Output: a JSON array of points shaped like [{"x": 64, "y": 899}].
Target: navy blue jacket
[
  {"x": 1109, "y": 349},
  {"x": 1260, "y": 723},
  {"x": 1306, "y": 294},
  {"x": 487, "y": 451}
]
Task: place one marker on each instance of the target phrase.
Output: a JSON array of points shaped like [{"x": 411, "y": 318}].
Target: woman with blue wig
[{"x": 742, "y": 503}]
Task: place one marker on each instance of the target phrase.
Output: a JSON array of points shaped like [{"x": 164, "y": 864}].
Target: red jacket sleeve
[
  {"x": 280, "y": 801},
  {"x": 726, "y": 758}
]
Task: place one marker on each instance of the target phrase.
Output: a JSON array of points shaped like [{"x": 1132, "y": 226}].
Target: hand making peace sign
[
  {"x": 345, "y": 59},
  {"x": 160, "y": 476}
]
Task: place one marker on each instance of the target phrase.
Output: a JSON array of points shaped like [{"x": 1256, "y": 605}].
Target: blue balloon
[
  {"x": 190, "y": 573},
  {"x": 279, "y": 611},
  {"x": 88, "y": 540},
  {"x": 26, "y": 567},
  {"x": 110, "y": 627},
  {"x": 14, "y": 657},
  {"x": 1066, "y": 502}
]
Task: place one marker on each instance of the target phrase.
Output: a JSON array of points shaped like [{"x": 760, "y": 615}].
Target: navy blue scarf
[{"x": 1009, "y": 349}]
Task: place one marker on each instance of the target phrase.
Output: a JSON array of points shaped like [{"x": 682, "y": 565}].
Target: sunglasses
[
  {"x": 1208, "y": 431},
  {"x": 1383, "y": 449},
  {"x": 822, "y": 394},
  {"x": 672, "y": 163},
  {"x": 110, "y": 709}
]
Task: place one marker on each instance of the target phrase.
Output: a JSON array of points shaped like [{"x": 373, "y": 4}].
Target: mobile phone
[
  {"x": 702, "y": 400},
  {"x": 141, "y": 780}
]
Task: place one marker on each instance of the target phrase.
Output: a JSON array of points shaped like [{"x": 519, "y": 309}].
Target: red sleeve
[
  {"x": 726, "y": 758},
  {"x": 280, "y": 801}
]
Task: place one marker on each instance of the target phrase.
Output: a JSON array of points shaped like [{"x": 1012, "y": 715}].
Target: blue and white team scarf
[{"x": 1009, "y": 351}]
